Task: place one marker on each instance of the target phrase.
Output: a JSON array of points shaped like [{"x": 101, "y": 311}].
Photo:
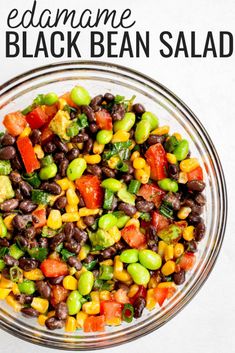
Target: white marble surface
[{"x": 207, "y": 86}]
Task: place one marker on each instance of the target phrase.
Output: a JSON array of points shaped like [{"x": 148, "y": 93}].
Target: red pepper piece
[{"x": 28, "y": 155}]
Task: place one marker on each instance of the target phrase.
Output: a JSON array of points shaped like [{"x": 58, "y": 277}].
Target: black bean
[
  {"x": 69, "y": 230},
  {"x": 197, "y": 209},
  {"x": 173, "y": 171},
  {"x": 94, "y": 169},
  {"x": 9, "y": 205},
  {"x": 7, "y": 153},
  {"x": 89, "y": 113},
  {"x": 191, "y": 246},
  {"x": 108, "y": 253},
  {"x": 61, "y": 146},
  {"x": 87, "y": 146},
  {"x": 28, "y": 264},
  {"x": 30, "y": 233},
  {"x": 96, "y": 102},
  {"x": 138, "y": 109},
  {"x": 25, "y": 188},
  {"x": 24, "y": 299},
  {"x": 200, "y": 231},
  {"x": 27, "y": 206},
  {"x": 196, "y": 185},
  {"x": 35, "y": 137},
  {"x": 108, "y": 172},
  {"x": 93, "y": 128},
  {"x": 4, "y": 243},
  {"x": 57, "y": 240},
  {"x": 44, "y": 289},
  {"x": 81, "y": 201},
  {"x": 53, "y": 324},
  {"x": 80, "y": 236},
  {"x": 73, "y": 261},
  {"x": 18, "y": 195},
  {"x": 60, "y": 203},
  {"x": 81, "y": 137},
  {"x": 130, "y": 167},
  {"x": 7, "y": 140},
  {"x": 200, "y": 199},
  {"x": 53, "y": 188},
  {"x": 61, "y": 311},
  {"x": 188, "y": 202},
  {"x": 120, "y": 245},
  {"x": 10, "y": 260},
  {"x": 15, "y": 177},
  {"x": 30, "y": 312},
  {"x": 151, "y": 233},
  {"x": 16, "y": 163},
  {"x": 49, "y": 147},
  {"x": 89, "y": 258},
  {"x": 21, "y": 241},
  {"x": 89, "y": 220},
  {"x": 43, "y": 243},
  {"x": 127, "y": 177},
  {"x": 128, "y": 209},
  {"x": 118, "y": 111},
  {"x": 72, "y": 154},
  {"x": 32, "y": 243},
  {"x": 139, "y": 306},
  {"x": 58, "y": 157},
  {"x": 109, "y": 97},
  {"x": 179, "y": 277},
  {"x": 63, "y": 167},
  {"x": 20, "y": 222},
  {"x": 56, "y": 280},
  {"x": 194, "y": 218},
  {"x": 173, "y": 200},
  {"x": 144, "y": 206},
  {"x": 72, "y": 246}
]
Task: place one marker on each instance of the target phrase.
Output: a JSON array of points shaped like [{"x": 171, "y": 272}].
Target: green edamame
[
  {"x": 76, "y": 168},
  {"x": 168, "y": 184},
  {"x": 126, "y": 123},
  {"x": 150, "y": 259},
  {"x": 74, "y": 302},
  {"x": 104, "y": 136},
  {"x": 181, "y": 151},
  {"x": 151, "y": 118},
  {"x": 85, "y": 283},
  {"x": 129, "y": 256},
  {"x": 142, "y": 131},
  {"x": 122, "y": 221},
  {"x": 107, "y": 221},
  {"x": 126, "y": 196},
  {"x": 50, "y": 98},
  {"x": 80, "y": 96},
  {"x": 48, "y": 172},
  {"x": 112, "y": 184},
  {"x": 139, "y": 273},
  {"x": 27, "y": 287},
  {"x": 2, "y": 264}
]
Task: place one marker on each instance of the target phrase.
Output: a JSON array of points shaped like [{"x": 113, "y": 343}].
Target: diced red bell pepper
[
  {"x": 151, "y": 192},
  {"x": 54, "y": 268},
  {"x": 14, "y": 123},
  {"x": 91, "y": 191},
  {"x": 58, "y": 294},
  {"x": 121, "y": 297},
  {"x": 104, "y": 119},
  {"x": 112, "y": 311},
  {"x": 142, "y": 292},
  {"x": 187, "y": 261},
  {"x": 40, "y": 216},
  {"x": 196, "y": 174},
  {"x": 47, "y": 135},
  {"x": 159, "y": 221},
  {"x": 50, "y": 111},
  {"x": 27, "y": 153},
  {"x": 160, "y": 294},
  {"x": 133, "y": 236},
  {"x": 156, "y": 158},
  {"x": 94, "y": 324},
  {"x": 36, "y": 118}
]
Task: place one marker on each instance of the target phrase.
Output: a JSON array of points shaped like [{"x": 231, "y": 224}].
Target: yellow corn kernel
[
  {"x": 92, "y": 159},
  {"x": 80, "y": 146},
  {"x": 51, "y": 313},
  {"x": 54, "y": 220},
  {"x": 4, "y": 293},
  {"x": 63, "y": 183},
  {"x": 70, "y": 146},
  {"x": 120, "y": 136},
  {"x": 42, "y": 319},
  {"x": 171, "y": 158},
  {"x": 162, "y": 130},
  {"x": 98, "y": 148},
  {"x": 54, "y": 256},
  {"x": 70, "y": 217},
  {"x": 135, "y": 155},
  {"x": 26, "y": 132},
  {"x": 72, "y": 271},
  {"x": 188, "y": 233},
  {"x": 178, "y": 250},
  {"x": 78, "y": 273},
  {"x": 80, "y": 319},
  {"x": 177, "y": 136},
  {"x": 83, "y": 212},
  {"x": 150, "y": 300},
  {"x": 15, "y": 289},
  {"x": 72, "y": 197},
  {"x": 108, "y": 262},
  {"x": 169, "y": 252},
  {"x": 40, "y": 304},
  {"x": 114, "y": 321},
  {"x": 153, "y": 282},
  {"x": 85, "y": 249},
  {"x": 38, "y": 151},
  {"x": 167, "y": 285},
  {"x": 70, "y": 283},
  {"x": 34, "y": 275},
  {"x": 81, "y": 224},
  {"x": 119, "y": 272},
  {"x": 8, "y": 221},
  {"x": 91, "y": 308},
  {"x": 183, "y": 178},
  {"x": 137, "y": 215},
  {"x": 141, "y": 176},
  {"x": 188, "y": 165},
  {"x": 71, "y": 185},
  {"x": 139, "y": 163},
  {"x": 133, "y": 290},
  {"x": 5, "y": 283},
  {"x": 105, "y": 295},
  {"x": 183, "y": 212},
  {"x": 95, "y": 297},
  {"x": 70, "y": 324},
  {"x": 13, "y": 303},
  {"x": 115, "y": 233},
  {"x": 133, "y": 221},
  {"x": 147, "y": 169},
  {"x": 113, "y": 162},
  {"x": 161, "y": 248},
  {"x": 168, "y": 268},
  {"x": 71, "y": 208},
  {"x": 132, "y": 144},
  {"x": 62, "y": 103}
]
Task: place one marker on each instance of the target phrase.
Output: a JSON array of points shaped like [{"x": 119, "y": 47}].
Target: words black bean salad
[{"x": 100, "y": 210}]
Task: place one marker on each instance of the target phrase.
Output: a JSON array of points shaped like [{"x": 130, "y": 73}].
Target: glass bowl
[{"x": 100, "y": 77}]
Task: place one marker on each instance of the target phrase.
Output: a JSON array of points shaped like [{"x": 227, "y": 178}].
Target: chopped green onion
[
  {"x": 39, "y": 100},
  {"x": 27, "y": 110},
  {"x": 119, "y": 99},
  {"x": 134, "y": 186},
  {"x": 32, "y": 179},
  {"x": 90, "y": 265},
  {"x": 15, "y": 252},
  {"x": 103, "y": 285},
  {"x": 48, "y": 232},
  {"x": 166, "y": 211},
  {"x": 122, "y": 167},
  {"x": 3, "y": 251},
  {"x": 108, "y": 199},
  {"x": 128, "y": 312},
  {"x": 16, "y": 274},
  {"x": 69, "y": 109}
]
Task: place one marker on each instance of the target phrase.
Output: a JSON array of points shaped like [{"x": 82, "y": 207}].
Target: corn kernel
[
  {"x": 63, "y": 183},
  {"x": 162, "y": 130},
  {"x": 5, "y": 283},
  {"x": 188, "y": 165},
  {"x": 177, "y": 136},
  {"x": 34, "y": 275},
  {"x": 120, "y": 136},
  {"x": 135, "y": 155},
  {"x": 91, "y": 308},
  {"x": 81, "y": 224},
  {"x": 85, "y": 249},
  {"x": 8, "y": 221},
  {"x": 70, "y": 283},
  {"x": 70, "y": 217},
  {"x": 62, "y": 103},
  {"x": 132, "y": 144},
  {"x": 98, "y": 148},
  {"x": 40, "y": 304},
  {"x": 133, "y": 290},
  {"x": 139, "y": 163},
  {"x": 108, "y": 262},
  {"x": 95, "y": 297},
  {"x": 147, "y": 169},
  {"x": 72, "y": 271},
  {"x": 188, "y": 233},
  {"x": 168, "y": 268},
  {"x": 141, "y": 176},
  {"x": 13, "y": 303},
  {"x": 115, "y": 233},
  {"x": 92, "y": 159},
  {"x": 153, "y": 282},
  {"x": 54, "y": 220},
  {"x": 113, "y": 321},
  {"x": 4, "y": 293},
  {"x": 70, "y": 146},
  {"x": 42, "y": 319},
  {"x": 71, "y": 185},
  {"x": 38, "y": 151},
  {"x": 183, "y": 212},
  {"x": 51, "y": 313},
  {"x": 171, "y": 158},
  {"x": 72, "y": 197},
  {"x": 178, "y": 250},
  {"x": 161, "y": 248},
  {"x": 183, "y": 178},
  {"x": 105, "y": 295},
  {"x": 26, "y": 132},
  {"x": 80, "y": 145},
  {"x": 113, "y": 162},
  {"x": 81, "y": 318},
  {"x": 15, "y": 289},
  {"x": 83, "y": 212},
  {"x": 169, "y": 252},
  {"x": 54, "y": 255},
  {"x": 70, "y": 324},
  {"x": 133, "y": 221},
  {"x": 119, "y": 272},
  {"x": 150, "y": 300},
  {"x": 71, "y": 208}
]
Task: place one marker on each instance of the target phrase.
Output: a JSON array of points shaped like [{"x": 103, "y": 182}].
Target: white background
[{"x": 208, "y": 87}]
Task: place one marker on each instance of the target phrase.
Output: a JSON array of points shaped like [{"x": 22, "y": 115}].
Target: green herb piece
[
  {"x": 32, "y": 179},
  {"x": 73, "y": 129},
  {"x": 82, "y": 121},
  {"x": 145, "y": 216},
  {"x": 66, "y": 254},
  {"x": 91, "y": 265},
  {"x": 5, "y": 167},
  {"x": 37, "y": 253},
  {"x": 40, "y": 197}
]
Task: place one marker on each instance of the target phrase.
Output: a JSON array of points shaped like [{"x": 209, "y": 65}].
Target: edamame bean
[
  {"x": 80, "y": 96},
  {"x": 27, "y": 287},
  {"x": 126, "y": 123},
  {"x": 181, "y": 151},
  {"x": 150, "y": 259},
  {"x": 107, "y": 221},
  {"x": 142, "y": 131},
  {"x": 139, "y": 273},
  {"x": 126, "y": 196},
  {"x": 129, "y": 256},
  {"x": 122, "y": 221},
  {"x": 76, "y": 168},
  {"x": 112, "y": 184},
  {"x": 104, "y": 136},
  {"x": 48, "y": 172},
  {"x": 168, "y": 184},
  {"x": 85, "y": 283},
  {"x": 50, "y": 98},
  {"x": 151, "y": 118},
  {"x": 74, "y": 302}
]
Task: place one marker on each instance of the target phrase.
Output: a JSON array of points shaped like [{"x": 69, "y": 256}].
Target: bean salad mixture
[{"x": 100, "y": 210}]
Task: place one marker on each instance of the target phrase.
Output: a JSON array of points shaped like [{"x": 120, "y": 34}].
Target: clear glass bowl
[{"x": 100, "y": 77}]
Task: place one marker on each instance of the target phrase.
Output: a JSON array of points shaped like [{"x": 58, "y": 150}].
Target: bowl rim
[{"x": 16, "y": 81}]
